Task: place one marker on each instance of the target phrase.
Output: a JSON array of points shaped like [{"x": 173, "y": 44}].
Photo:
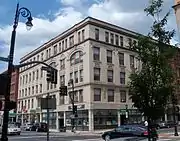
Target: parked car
[
  {"x": 39, "y": 127},
  {"x": 125, "y": 131},
  {"x": 12, "y": 130}
]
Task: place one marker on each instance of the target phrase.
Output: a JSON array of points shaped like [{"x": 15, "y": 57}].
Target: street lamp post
[
  {"x": 71, "y": 82},
  {"x": 24, "y": 12},
  {"x": 126, "y": 113}
]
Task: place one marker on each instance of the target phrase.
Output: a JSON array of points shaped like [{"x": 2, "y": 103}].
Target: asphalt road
[{"x": 34, "y": 136}]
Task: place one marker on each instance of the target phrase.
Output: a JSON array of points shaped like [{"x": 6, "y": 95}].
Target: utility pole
[
  {"x": 25, "y": 13},
  {"x": 47, "y": 117}
]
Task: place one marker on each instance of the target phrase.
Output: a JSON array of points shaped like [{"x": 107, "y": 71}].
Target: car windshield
[{"x": 12, "y": 126}]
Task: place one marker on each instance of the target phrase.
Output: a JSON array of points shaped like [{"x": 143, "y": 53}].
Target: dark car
[
  {"x": 39, "y": 127},
  {"x": 125, "y": 131}
]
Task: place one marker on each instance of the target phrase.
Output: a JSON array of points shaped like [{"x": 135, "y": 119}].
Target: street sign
[{"x": 51, "y": 103}]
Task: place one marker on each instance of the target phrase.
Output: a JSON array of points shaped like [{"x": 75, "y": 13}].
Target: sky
[{"x": 51, "y": 17}]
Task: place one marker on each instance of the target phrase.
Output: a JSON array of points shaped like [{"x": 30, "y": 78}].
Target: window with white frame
[
  {"x": 81, "y": 95},
  {"x": 62, "y": 64},
  {"x": 110, "y": 95},
  {"x": 76, "y": 76},
  {"x": 110, "y": 75},
  {"x": 97, "y": 94},
  {"x": 122, "y": 77},
  {"x": 97, "y": 74},
  {"x": 81, "y": 75},
  {"x": 109, "y": 56},
  {"x": 122, "y": 96},
  {"x": 121, "y": 59},
  {"x": 96, "y": 53},
  {"x": 76, "y": 58}
]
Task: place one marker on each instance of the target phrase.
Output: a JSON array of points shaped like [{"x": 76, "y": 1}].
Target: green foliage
[{"x": 151, "y": 87}]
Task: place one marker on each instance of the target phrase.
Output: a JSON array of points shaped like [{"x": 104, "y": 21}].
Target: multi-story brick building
[
  {"x": 98, "y": 56},
  {"x": 13, "y": 93}
]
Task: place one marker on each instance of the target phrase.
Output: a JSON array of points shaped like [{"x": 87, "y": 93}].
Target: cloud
[{"x": 120, "y": 12}]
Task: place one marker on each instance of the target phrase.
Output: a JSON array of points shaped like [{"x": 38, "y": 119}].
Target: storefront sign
[{"x": 78, "y": 107}]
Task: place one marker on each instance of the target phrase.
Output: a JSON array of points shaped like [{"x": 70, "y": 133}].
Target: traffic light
[
  {"x": 11, "y": 105},
  {"x": 63, "y": 91},
  {"x": 1, "y": 105},
  {"x": 75, "y": 111},
  {"x": 51, "y": 75}
]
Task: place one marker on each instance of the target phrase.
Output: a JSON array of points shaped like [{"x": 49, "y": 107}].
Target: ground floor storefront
[{"x": 87, "y": 120}]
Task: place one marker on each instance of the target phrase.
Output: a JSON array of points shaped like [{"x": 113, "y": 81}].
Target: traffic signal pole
[{"x": 47, "y": 117}]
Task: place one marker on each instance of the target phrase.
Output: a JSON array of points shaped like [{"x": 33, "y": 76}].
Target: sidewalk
[{"x": 169, "y": 136}]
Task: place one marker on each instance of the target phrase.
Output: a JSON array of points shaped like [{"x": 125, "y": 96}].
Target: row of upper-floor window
[
  {"x": 110, "y": 76},
  {"x": 115, "y": 38},
  {"x": 56, "y": 48},
  {"x": 77, "y": 76},
  {"x": 109, "y": 95},
  {"x": 26, "y": 104},
  {"x": 109, "y": 57},
  {"x": 110, "y": 37},
  {"x": 78, "y": 98},
  {"x": 35, "y": 89},
  {"x": 31, "y": 76}
]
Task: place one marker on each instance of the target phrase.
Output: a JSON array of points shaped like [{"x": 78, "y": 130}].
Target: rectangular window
[
  {"x": 62, "y": 45},
  {"x": 55, "y": 49},
  {"x": 122, "y": 77},
  {"x": 97, "y": 74},
  {"x": 110, "y": 95},
  {"x": 33, "y": 75},
  {"x": 37, "y": 74},
  {"x": 109, "y": 56},
  {"x": 65, "y": 43},
  {"x": 117, "y": 39},
  {"x": 29, "y": 77},
  {"x": 123, "y": 96},
  {"x": 32, "y": 103},
  {"x": 42, "y": 56},
  {"x": 71, "y": 41},
  {"x": 110, "y": 75},
  {"x": 81, "y": 96},
  {"x": 36, "y": 89},
  {"x": 40, "y": 88},
  {"x": 96, "y": 34},
  {"x": 25, "y": 91},
  {"x": 121, "y": 59},
  {"x": 107, "y": 37},
  {"x": 97, "y": 94},
  {"x": 76, "y": 76},
  {"x": 62, "y": 80},
  {"x": 29, "y": 91},
  {"x": 83, "y": 35},
  {"x": 132, "y": 61},
  {"x": 79, "y": 37},
  {"x": 81, "y": 75},
  {"x": 112, "y": 38},
  {"x": 47, "y": 53},
  {"x": 32, "y": 89},
  {"x": 96, "y": 53},
  {"x": 121, "y": 41},
  {"x": 62, "y": 64},
  {"x": 28, "y": 104}
]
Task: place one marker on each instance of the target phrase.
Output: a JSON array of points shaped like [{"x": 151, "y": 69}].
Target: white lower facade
[{"x": 94, "y": 115}]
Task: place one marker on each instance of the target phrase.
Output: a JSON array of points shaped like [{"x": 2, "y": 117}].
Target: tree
[{"x": 151, "y": 87}]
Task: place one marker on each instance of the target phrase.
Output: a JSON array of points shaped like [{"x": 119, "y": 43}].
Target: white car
[{"x": 12, "y": 130}]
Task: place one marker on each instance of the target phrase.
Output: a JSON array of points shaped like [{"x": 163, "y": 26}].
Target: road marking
[{"x": 97, "y": 139}]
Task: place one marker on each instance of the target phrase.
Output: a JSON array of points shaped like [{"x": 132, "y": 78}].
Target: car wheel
[
  {"x": 107, "y": 138},
  {"x": 19, "y": 133}
]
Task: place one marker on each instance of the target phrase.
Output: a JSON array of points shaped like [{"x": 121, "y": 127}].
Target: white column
[
  {"x": 91, "y": 120},
  {"x": 119, "y": 118},
  {"x": 40, "y": 117},
  {"x": 57, "y": 122},
  {"x": 64, "y": 118},
  {"x": 165, "y": 117}
]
